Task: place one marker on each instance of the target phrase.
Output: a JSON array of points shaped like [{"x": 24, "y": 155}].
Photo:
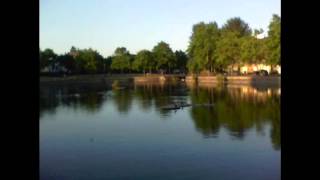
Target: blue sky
[{"x": 139, "y": 24}]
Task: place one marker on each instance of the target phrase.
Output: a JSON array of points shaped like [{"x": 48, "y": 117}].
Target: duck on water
[{"x": 176, "y": 106}]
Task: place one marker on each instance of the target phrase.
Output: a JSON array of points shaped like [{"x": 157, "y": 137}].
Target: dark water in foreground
[{"x": 96, "y": 133}]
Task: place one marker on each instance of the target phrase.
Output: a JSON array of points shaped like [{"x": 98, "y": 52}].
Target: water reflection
[
  {"x": 159, "y": 95},
  {"x": 122, "y": 100},
  {"x": 236, "y": 108},
  {"x": 86, "y": 98}
]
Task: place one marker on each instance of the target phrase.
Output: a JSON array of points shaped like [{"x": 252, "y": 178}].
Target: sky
[{"x": 104, "y": 25}]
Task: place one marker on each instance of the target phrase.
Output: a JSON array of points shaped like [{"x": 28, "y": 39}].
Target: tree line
[{"x": 211, "y": 48}]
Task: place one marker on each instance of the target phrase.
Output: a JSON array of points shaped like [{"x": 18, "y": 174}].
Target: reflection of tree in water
[
  {"x": 84, "y": 97},
  {"x": 123, "y": 100},
  {"x": 275, "y": 122},
  {"x": 205, "y": 118},
  {"x": 48, "y": 101},
  {"x": 91, "y": 101},
  {"x": 236, "y": 111},
  {"x": 145, "y": 94},
  {"x": 159, "y": 95}
]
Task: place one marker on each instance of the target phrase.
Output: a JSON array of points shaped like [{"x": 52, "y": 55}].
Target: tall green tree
[
  {"x": 121, "y": 59},
  {"x": 87, "y": 60},
  {"x": 67, "y": 61},
  {"x": 210, "y": 45},
  {"x": 203, "y": 45},
  {"x": 164, "y": 56},
  {"x": 253, "y": 50},
  {"x": 143, "y": 61},
  {"x": 229, "y": 50},
  {"x": 237, "y": 26},
  {"x": 273, "y": 42},
  {"x": 107, "y": 64},
  {"x": 47, "y": 57},
  {"x": 182, "y": 59},
  {"x": 73, "y": 51},
  {"x": 195, "y": 48},
  {"x": 236, "y": 35}
]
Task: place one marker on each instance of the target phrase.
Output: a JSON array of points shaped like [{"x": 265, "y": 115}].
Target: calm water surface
[{"x": 97, "y": 133}]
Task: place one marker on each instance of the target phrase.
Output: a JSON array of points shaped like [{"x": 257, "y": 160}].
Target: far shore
[{"x": 108, "y": 79}]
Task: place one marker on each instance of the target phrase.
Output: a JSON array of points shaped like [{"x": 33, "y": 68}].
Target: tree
[
  {"x": 273, "y": 42},
  {"x": 182, "y": 60},
  {"x": 252, "y": 50},
  {"x": 195, "y": 48},
  {"x": 121, "y": 59},
  {"x": 107, "y": 64},
  {"x": 143, "y": 61},
  {"x": 210, "y": 45},
  {"x": 67, "y": 61},
  {"x": 73, "y": 51},
  {"x": 164, "y": 56},
  {"x": 237, "y": 26},
  {"x": 228, "y": 49},
  {"x": 47, "y": 57},
  {"x": 202, "y": 47},
  {"x": 87, "y": 60},
  {"x": 100, "y": 62}
]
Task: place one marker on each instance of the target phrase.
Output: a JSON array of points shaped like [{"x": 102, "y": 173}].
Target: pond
[{"x": 91, "y": 132}]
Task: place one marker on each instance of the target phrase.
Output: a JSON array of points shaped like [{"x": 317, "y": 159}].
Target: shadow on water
[{"x": 237, "y": 109}]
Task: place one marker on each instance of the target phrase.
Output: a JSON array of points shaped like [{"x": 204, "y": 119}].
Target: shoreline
[{"x": 106, "y": 79}]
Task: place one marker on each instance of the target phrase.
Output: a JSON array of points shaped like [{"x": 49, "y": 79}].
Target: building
[
  {"x": 251, "y": 68},
  {"x": 54, "y": 68}
]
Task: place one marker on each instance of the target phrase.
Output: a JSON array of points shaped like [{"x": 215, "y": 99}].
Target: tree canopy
[
  {"x": 238, "y": 26},
  {"x": 203, "y": 45},
  {"x": 164, "y": 56},
  {"x": 211, "y": 48},
  {"x": 121, "y": 59},
  {"x": 274, "y": 55},
  {"x": 144, "y": 61},
  {"x": 46, "y": 57}
]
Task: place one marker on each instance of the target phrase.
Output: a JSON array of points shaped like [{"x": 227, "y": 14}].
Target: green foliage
[
  {"x": 274, "y": 32},
  {"x": 228, "y": 49},
  {"x": 252, "y": 50},
  {"x": 88, "y": 60},
  {"x": 46, "y": 57},
  {"x": 67, "y": 61},
  {"x": 182, "y": 60},
  {"x": 121, "y": 59},
  {"x": 203, "y": 45},
  {"x": 143, "y": 61},
  {"x": 107, "y": 64},
  {"x": 237, "y": 26},
  {"x": 211, "y": 49},
  {"x": 164, "y": 56}
]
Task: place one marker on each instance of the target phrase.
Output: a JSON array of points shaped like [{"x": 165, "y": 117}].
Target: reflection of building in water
[{"x": 251, "y": 93}]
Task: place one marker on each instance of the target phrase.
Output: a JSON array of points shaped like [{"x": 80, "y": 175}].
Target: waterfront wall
[
  {"x": 158, "y": 78},
  {"x": 241, "y": 80}
]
